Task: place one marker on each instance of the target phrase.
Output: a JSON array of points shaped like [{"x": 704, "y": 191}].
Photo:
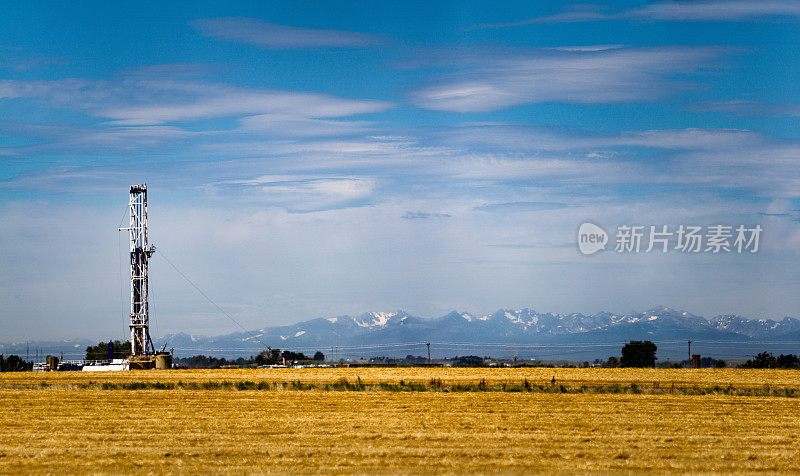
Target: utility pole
[
  {"x": 27, "y": 351},
  {"x": 690, "y": 354},
  {"x": 429, "y": 352}
]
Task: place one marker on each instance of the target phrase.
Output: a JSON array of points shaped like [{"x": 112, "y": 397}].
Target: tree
[
  {"x": 612, "y": 362},
  {"x": 208, "y": 362},
  {"x": 292, "y": 356},
  {"x": 469, "y": 361},
  {"x": 14, "y": 363},
  {"x": 710, "y": 362},
  {"x": 100, "y": 351},
  {"x": 269, "y": 357},
  {"x": 638, "y": 353},
  {"x": 790, "y": 361},
  {"x": 763, "y": 360},
  {"x": 319, "y": 357}
]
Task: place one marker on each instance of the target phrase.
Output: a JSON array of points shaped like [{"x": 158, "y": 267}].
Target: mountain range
[{"x": 506, "y": 332}]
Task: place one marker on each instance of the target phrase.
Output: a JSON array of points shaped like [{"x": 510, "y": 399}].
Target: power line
[
  {"x": 160, "y": 252},
  {"x": 151, "y": 305},
  {"x": 121, "y": 288}
]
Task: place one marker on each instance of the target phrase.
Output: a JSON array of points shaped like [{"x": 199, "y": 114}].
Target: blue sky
[{"x": 310, "y": 159}]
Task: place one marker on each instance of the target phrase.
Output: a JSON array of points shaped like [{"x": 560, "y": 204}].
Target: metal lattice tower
[{"x": 141, "y": 344}]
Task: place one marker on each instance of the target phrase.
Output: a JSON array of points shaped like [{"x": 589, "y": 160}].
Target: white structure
[
  {"x": 140, "y": 256},
  {"x": 116, "y": 364}
]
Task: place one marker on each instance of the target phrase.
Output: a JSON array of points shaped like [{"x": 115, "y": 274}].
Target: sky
[{"x": 314, "y": 159}]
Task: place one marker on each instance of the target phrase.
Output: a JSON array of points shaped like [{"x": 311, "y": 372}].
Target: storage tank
[{"x": 163, "y": 361}]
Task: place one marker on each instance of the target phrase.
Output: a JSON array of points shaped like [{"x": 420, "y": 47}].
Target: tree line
[
  {"x": 765, "y": 360},
  {"x": 633, "y": 354},
  {"x": 14, "y": 363},
  {"x": 266, "y": 357},
  {"x": 109, "y": 350}
]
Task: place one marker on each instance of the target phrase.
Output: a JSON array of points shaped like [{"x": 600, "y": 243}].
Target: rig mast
[{"x": 140, "y": 256}]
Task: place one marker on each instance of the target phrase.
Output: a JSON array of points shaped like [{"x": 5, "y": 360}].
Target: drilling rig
[{"x": 143, "y": 354}]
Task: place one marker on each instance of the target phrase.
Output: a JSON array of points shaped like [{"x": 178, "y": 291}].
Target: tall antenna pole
[{"x": 140, "y": 256}]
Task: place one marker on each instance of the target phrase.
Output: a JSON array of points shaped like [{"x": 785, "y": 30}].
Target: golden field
[
  {"x": 739, "y": 378},
  {"x": 70, "y": 425}
]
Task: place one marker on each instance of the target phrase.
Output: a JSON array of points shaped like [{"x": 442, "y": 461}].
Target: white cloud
[
  {"x": 712, "y": 10},
  {"x": 420, "y": 215},
  {"x": 744, "y": 107},
  {"x": 583, "y": 76},
  {"x": 687, "y": 139},
  {"x": 259, "y": 33},
  {"x": 491, "y": 158},
  {"x": 70, "y": 180},
  {"x": 509, "y": 137},
  {"x": 140, "y": 114},
  {"x": 494, "y": 167},
  {"x": 294, "y": 126},
  {"x": 149, "y": 102},
  {"x": 729, "y": 10},
  {"x": 99, "y": 141},
  {"x": 305, "y": 193},
  {"x": 332, "y": 155}
]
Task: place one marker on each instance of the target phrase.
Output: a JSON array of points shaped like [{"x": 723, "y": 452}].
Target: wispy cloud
[
  {"x": 80, "y": 180},
  {"x": 524, "y": 246},
  {"x": 521, "y": 207},
  {"x": 259, "y": 33},
  {"x": 20, "y": 60},
  {"x": 730, "y": 10},
  {"x": 304, "y": 193},
  {"x": 494, "y": 161},
  {"x": 173, "y": 70},
  {"x": 743, "y": 107},
  {"x": 726, "y": 10},
  {"x": 97, "y": 140},
  {"x": 134, "y": 112},
  {"x": 511, "y": 137},
  {"x": 579, "y": 161},
  {"x": 152, "y": 102},
  {"x": 409, "y": 215},
  {"x": 295, "y": 126},
  {"x": 583, "y": 76}
]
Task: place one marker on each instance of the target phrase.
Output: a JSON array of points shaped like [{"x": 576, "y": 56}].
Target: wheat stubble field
[{"x": 400, "y": 421}]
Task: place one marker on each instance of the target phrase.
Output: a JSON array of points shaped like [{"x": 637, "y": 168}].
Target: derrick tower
[{"x": 140, "y": 256}]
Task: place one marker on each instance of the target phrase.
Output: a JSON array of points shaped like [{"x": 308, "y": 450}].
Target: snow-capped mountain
[
  {"x": 376, "y": 333},
  {"x": 757, "y": 328}
]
